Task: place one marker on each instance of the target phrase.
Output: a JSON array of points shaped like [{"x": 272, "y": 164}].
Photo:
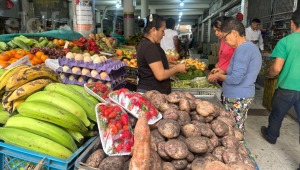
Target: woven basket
[{"x": 213, "y": 59}]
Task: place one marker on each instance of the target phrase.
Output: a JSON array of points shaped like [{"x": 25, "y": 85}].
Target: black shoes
[{"x": 263, "y": 132}]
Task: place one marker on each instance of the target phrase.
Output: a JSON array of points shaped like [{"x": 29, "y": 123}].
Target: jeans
[{"x": 282, "y": 101}]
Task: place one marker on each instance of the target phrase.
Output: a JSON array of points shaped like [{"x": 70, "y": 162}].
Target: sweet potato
[
  {"x": 171, "y": 113},
  {"x": 248, "y": 161},
  {"x": 149, "y": 94},
  {"x": 168, "y": 166},
  {"x": 230, "y": 142},
  {"x": 191, "y": 103},
  {"x": 189, "y": 95},
  {"x": 238, "y": 134},
  {"x": 199, "y": 118},
  {"x": 154, "y": 126},
  {"x": 155, "y": 161},
  {"x": 226, "y": 113},
  {"x": 205, "y": 108},
  {"x": 132, "y": 120},
  {"x": 197, "y": 144},
  {"x": 240, "y": 166},
  {"x": 218, "y": 152},
  {"x": 214, "y": 140},
  {"x": 209, "y": 118},
  {"x": 157, "y": 100},
  {"x": 192, "y": 113},
  {"x": 184, "y": 118},
  {"x": 112, "y": 163},
  {"x": 227, "y": 120},
  {"x": 242, "y": 149},
  {"x": 180, "y": 164},
  {"x": 190, "y": 157},
  {"x": 220, "y": 128},
  {"x": 189, "y": 130},
  {"x": 176, "y": 149},
  {"x": 155, "y": 138},
  {"x": 184, "y": 105},
  {"x": 169, "y": 128},
  {"x": 232, "y": 155},
  {"x": 95, "y": 158},
  {"x": 217, "y": 110},
  {"x": 174, "y": 97},
  {"x": 161, "y": 151},
  {"x": 141, "y": 152},
  {"x": 216, "y": 165},
  {"x": 197, "y": 101}
]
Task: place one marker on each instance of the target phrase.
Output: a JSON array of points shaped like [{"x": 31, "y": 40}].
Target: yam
[
  {"x": 161, "y": 151},
  {"x": 227, "y": 120},
  {"x": 238, "y": 134},
  {"x": 112, "y": 163},
  {"x": 231, "y": 155},
  {"x": 240, "y": 166},
  {"x": 197, "y": 144},
  {"x": 190, "y": 157},
  {"x": 218, "y": 152},
  {"x": 214, "y": 140},
  {"x": 184, "y": 105},
  {"x": 157, "y": 100},
  {"x": 220, "y": 128},
  {"x": 176, "y": 149},
  {"x": 209, "y": 118},
  {"x": 242, "y": 149},
  {"x": 199, "y": 118},
  {"x": 171, "y": 113},
  {"x": 230, "y": 142},
  {"x": 184, "y": 118},
  {"x": 197, "y": 101},
  {"x": 174, "y": 97},
  {"x": 180, "y": 164},
  {"x": 205, "y": 108},
  {"x": 155, "y": 161},
  {"x": 132, "y": 120},
  {"x": 168, "y": 166},
  {"x": 190, "y": 130},
  {"x": 192, "y": 104},
  {"x": 193, "y": 113},
  {"x": 155, "y": 138},
  {"x": 216, "y": 165},
  {"x": 154, "y": 126},
  {"x": 148, "y": 96},
  {"x": 95, "y": 158},
  {"x": 189, "y": 95},
  {"x": 169, "y": 128}
]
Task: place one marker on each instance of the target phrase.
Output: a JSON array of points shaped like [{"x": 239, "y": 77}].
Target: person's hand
[
  {"x": 181, "y": 67},
  {"x": 217, "y": 70},
  {"x": 217, "y": 65},
  {"x": 213, "y": 77},
  {"x": 254, "y": 42}
]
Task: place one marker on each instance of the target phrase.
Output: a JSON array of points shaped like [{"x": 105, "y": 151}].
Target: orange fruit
[
  {"x": 19, "y": 55},
  {"x": 10, "y": 54},
  {"x": 38, "y": 60},
  {"x": 57, "y": 45},
  {"x": 14, "y": 52},
  {"x": 33, "y": 62},
  {"x": 13, "y": 60},
  {"x": 39, "y": 54},
  {"x": 61, "y": 42},
  {"x": 4, "y": 64},
  {"x": 27, "y": 52},
  {"x": 22, "y": 52},
  {"x": 4, "y": 57},
  {"x": 55, "y": 40},
  {"x": 31, "y": 56},
  {"x": 44, "y": 57}
]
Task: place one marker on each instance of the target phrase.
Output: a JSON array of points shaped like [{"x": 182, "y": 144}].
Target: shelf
[{"x": 282, "y": 29}]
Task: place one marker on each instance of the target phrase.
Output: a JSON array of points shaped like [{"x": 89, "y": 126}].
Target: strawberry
[
  {"x": 95, "y": 90},
  {"x": 118, "y": 117},
  {"x": 132, "y": 139},
  {"x": 123, "y": 90},
  {"x": 137, "y": 95},
  {"x": 142, "y": 100},
  {"x": 112, "y": 115},
  {"x": 127, "y": 147},
  {"x": 131, "y": 106},
  {"x": 106, "y": 93},
  {"x": 105, "y": 133},
  {"x": 139, "y": 105},
  {"x": 129, "y": 96},
  {"x": 119, "y": 147},
  {"x": 124, "y": 119},
  {"x": 119, "y": 126},
  {"x": 130, "y": 143},
  {"x": 112, "y": 149},
  {"x": 101, "y": 108},
  {"x": 88, "y": 85},
  {"x": 113, "y": 130},
  {"x": 125, "y": 127},
  {"x": 98, "y": 84},
  {"x": 145, "y": 108},
  {"x": 148, "y": 104},
  {"x": 148, "y": 115},
  {"x": 107, "y": 111},
  {"x": 134, "y": 101},
  {"x": 102, "y": 89},
  {"x": 153, "y": 113},
  {"x": 117, "y": 109},
  {"x": 104, "y": 96},
  {"x": 112, "y": 122},
  {"x": 125, "y": 135}
]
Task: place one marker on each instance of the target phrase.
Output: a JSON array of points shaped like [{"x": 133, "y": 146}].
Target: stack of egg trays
[{"x": 108, "y": 66}]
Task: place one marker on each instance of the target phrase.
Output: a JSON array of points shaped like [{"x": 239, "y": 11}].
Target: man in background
[
  {"x": 253, "y": 34},
  {"x": 170, "y": 40}
]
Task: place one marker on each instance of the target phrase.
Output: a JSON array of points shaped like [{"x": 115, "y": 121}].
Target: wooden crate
[{"x": 269, "y": 89}]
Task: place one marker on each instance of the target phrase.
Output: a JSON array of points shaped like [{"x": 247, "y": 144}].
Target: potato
[
  {"x": 226, "y": 113},
  {"x": 192, "y": 104},
  {"x": 189, "y": 95},
  {"x": 155, "y": 161},
  {"x": 164, "y": 106},
  {"x": 180, "y": 94},
  {"x": 231, "y": 131},
  {"x": 217, "y": 110},
  {"x": 171, "y": 113},
  {"x": 216, "y": 165},
  {"x": 169, "y": 128},
  {"x": 184, "y": 118},
  {"x": 209, "y": 118},
  {"x": 153, "y": 146},
  {"x": 238, "y": 134},
  {"x": 231, "y": 155},
  {"x": 184, "y": 105},
  {"x": 126, "y": 166},
  {"x": 95, "y": 158},
  {"x": 227, "y": 120},
  {"x": 208, "y": 125},
  {"x": 176, "y": 149},
  {"x": 180, "y": 137},
  {"x": 240, "y": 166},
  {"x": 168, "y": 166},
  {"x": 180, "y": 164},
  {"x": 126, "y": 157},
  {"x": 211, "y": 157},
  {"x": 174, "y": 106},
  {"x": 200, "y": 163},
  {"x": 166, "y": 97},
  {"x": 205, "y": 108},
  {"x": 218, "y": 152},
  {"x": 155, "y": 138},
  {"x": 161, "y": 151},
  {"x": 199, "y": 118},
  {"x": 196, "y": 122},
  {"x": 230, "y": 142},
  {"x": 197, "y": 101},
  {"x": 193, "y": 113},
  {"x": 205, "y": 131},
  {"x": 190, "y": 157},
  {"x": 210, "y": 146},
  {"x": 190, "y": 130},
  {"x": 248, "y": 161},
  {"x": 132, "y": 120},
  {"x": 214, "y": 140},
  {"x": 149, "y": 94},
  {"x": 97, "y": 146},
  {"x": 242, "y": 149},
  {"x": 189, "y": 167},
  {"x": 157, "y": 100},
  {"x": 174, "y": 97},
  {"x": 197, "y": 144},
  {"x": 112, "y": 163},
  {"x": 220, "y": 128}
]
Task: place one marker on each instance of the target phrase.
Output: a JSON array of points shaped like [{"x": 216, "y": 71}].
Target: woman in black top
[{"x": 153, "y": 65}]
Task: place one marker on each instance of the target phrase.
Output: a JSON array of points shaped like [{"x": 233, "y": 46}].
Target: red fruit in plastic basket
[
  {"x": 127, "y": 147},
  {"x": 139, "y": 105},
  {"x": 113, "y": 130},
  {"x": 118, "y": 117},
  {"x": 137, "y": 95},
  {"x": 130, "y": 143},
  {"x": 112, "y": 122},
  {"x": 120, "y": 147},
  {"x": 148, "y": 115},
  {"x": 117, "y": 109},
  {"x": 124, "y": 119},
  {"x": 132, "y": 139},
  {"x": 125, "y": 127},
  {"x": 134, "y": 101},
  {"x": 105, "y": 133},
  {"x": 119, "y": 126},
  {"x": 142, "y": 100},
  {"x": 148, "y": 104},
  {"x": 102, "y": 89},
  {"x": 98, "y": 84},
  {"x": 104, "y": 96},
  {"x": 125, "y": 135},
  {"x": 107, "y": 111},
  {"x": 95, "y": 90},
  {"x": 101, "y": 108},
  {"x": 112, "y": 115}
]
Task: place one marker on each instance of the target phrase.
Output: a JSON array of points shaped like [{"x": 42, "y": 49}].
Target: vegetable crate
[
  {"x": 269, "y": 89},
  {"x": 15, "y": 158},
  {"x": 131, "y": 72}
]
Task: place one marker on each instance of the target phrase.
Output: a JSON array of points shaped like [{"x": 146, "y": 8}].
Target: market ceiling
[{"x": 191, "y": 9}]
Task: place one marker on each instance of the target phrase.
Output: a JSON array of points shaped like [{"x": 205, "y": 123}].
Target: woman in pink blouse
[{"x": 226, "y": 51}]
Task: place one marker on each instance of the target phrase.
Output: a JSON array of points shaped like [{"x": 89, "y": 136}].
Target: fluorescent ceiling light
[
  {"x": 180, "y": 13},
  {"x": 181, "y": 4},
  {"x": 118, "y": 5},
  {"x": 139, "y": 17},
  {"x": 179, "y": 16},
  {"x": 179, "y": 20}
]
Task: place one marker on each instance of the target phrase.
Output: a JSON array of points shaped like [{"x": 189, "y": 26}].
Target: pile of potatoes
[{"x": 193, "y": 135}]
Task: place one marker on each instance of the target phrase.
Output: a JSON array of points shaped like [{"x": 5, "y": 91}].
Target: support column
[
  {"x": 198, "y": 33},
  {"x": 98, "y": 21},
  {"x": 128, "y": 19},
  {"x": 209, "y": 30},
  {"x": 244, "y": 11},
  {"x": 222, "y": 14},
  {"x": 144, "y": 8},
  {"x": 202, "y": 32},
  {"x": 152, "y": 11}
]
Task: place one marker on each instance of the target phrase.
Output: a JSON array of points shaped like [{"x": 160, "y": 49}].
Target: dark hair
[
  {"x": 170, "y": 23},
  {"x": 233, "y": 24},
  {"x": 156, "y": 22},
  {"x": 296, "y": 18},
  {"x": 219, "y": 21},
  {"x": 255, "y": 20}
]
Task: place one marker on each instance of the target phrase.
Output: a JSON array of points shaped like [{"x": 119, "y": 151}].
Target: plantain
[
  {"x": 77, "y": 136},
  {"x": 16, "y": 103}
]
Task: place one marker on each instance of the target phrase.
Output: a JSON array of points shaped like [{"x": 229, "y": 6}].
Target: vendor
[{"x": 153, "y": 66}]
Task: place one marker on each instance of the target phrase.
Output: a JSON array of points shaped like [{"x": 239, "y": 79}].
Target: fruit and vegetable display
[
  {"x": 172, "y": 55},
  {"x": 134, "y": 39},
  {"x": 100, "y": 91},
  {"x": 196, "y": 63},
  {"x": 131, "y": 63},
  {"x": 193, "y": 84},
  {"x": 125, "y": 52},
  {"x": 115, "y": 130}
]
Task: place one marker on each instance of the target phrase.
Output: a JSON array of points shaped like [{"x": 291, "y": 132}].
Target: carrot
[{"x": 141, "y": 152}]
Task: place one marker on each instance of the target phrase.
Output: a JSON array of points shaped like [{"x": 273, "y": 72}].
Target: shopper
[
  {"x": 253, "y": 34},
  {"x": 226, "y": 51},
  {"x": 240, "y": 76},
  {"x": 287, "y": 93},
  {"x": 170, "y": 40},
  {"x": 187, "y": 45},
  {"x": 153, "y": 66}
]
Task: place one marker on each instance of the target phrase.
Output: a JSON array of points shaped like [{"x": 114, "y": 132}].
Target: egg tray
[{"x": 109, "y": 66}]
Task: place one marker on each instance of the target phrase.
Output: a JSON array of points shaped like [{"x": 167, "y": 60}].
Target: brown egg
[
  {"x": 71, "y": 78},
  {"x": 90, "y": 80},
  {"x": 78, "y": 57},
  {"x": 62, "y": 76},
  {"x": 94, "y": 73},
  {"x": 86, "y": 55},
  {"x": 87, "y": 59},
  {"x": 75, "y": 69},
  {"x": 70, "y": 55},
  {"x": 103, "y": 75},
  {"x": 85, "y": 71},
  {"x": 80, "y": 79},
  {"x": 97, "y": 60},
  {"x": 103, "y": 58},
  {"x": 65, "y": 68}
]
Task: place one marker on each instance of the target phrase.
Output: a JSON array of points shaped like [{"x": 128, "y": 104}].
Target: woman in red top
[{"x": 226, "y": 51}]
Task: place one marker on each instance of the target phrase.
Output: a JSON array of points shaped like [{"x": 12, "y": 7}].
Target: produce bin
[
  {"x": 269, "y": 89},
  {"x": 131, "y": 72},
  {"x": 12, "y": 155}
]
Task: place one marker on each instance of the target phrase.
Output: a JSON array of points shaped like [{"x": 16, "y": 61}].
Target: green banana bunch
[
  {"x": 77, "y": 136},
  {"x": 84, "y": 93},
  {"x": 21, "y": 44},
  {"x": 45, "y": 129},
  {"x": 3, "y": 46},
  {"x": 12, "y": 45},
  {"x": 33, "y": 142},
  {"x": 52, "y": 114},
  {"x": 4, "y": 115}
]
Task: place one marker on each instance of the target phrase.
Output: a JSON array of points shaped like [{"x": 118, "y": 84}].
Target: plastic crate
[
  {"x": 18, "y": 157},
  {"x": 269, "y": 90},
  {"x": 131, "y": 72}
]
